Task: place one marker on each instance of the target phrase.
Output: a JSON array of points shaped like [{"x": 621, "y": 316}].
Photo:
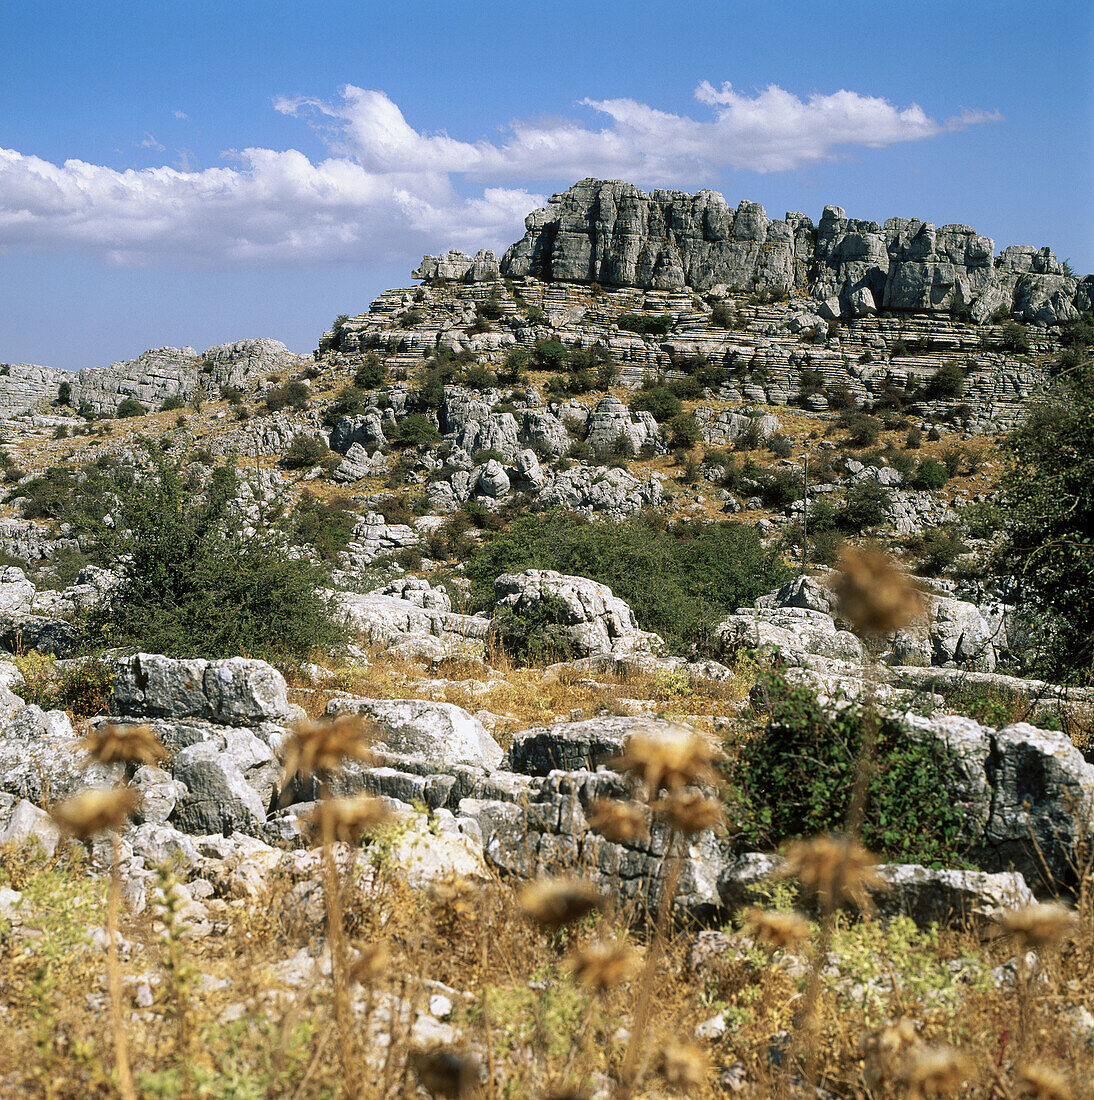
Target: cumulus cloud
[{"x": 387, "y": 190}]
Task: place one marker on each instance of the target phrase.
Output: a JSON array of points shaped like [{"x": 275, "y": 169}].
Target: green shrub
[
  {"x": 85, "y": 688},
  {"x": 551, "y": 355},
  {"x": 679, "y": 581},
  {"x": 646, "y": 324},
  {"x": 723, "y": 316},
  {"x": 172, "y": 403},
  {"x": 130, "y": 406},
  {"x": 305, "y": 451},
  {"x": 371, "y": 373},
  {"x": 898, "y": 348},
  {"x": 930, "y": 474},
  {"x": 538, "y": 638},
  {"x": 1078, "y": 334},
  {"x": 192, "y": 583},
  {"x": 50, "y": 495},
  {"x": 862, "y": 429},
  {"x": 1015, "y": 336},
  {"x": 780, "y": 488},
  {"x": 325, "y": 525},
  {"x": 232, "y": 394},
  {"x": 794, "y": 779},
  {"x": 685, "y": 432},
  {"x": 687, "y": 389},
  {"x": 659, "y": 402},
  {"x": 518, "y": 361},
  {"x": 413, "y": 317},
  {"x": 292, "y": 395},
  {"x": 947, "y": 381},
  {"x": 914, "y": 439},
  {"x": 414, "y": 430},
  {"x": 64, "y": 393},
  {"x": 866, "y": 505},
  {"x": 938, "y": 549}
]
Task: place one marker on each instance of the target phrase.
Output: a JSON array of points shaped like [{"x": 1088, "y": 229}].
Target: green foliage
[
  {"x": 292, "y": 395},
  {"x": 930, "y": 474},
  {"x": 371, "y": 373},
  {"x": 645, "y": 324},
  {"x": 866, "y": 505},
  {"x": 659, "y": 402},
  {"x": 85, "y": 688},
  {"x": 723, "y": 316},
  {"x": 862, "y": 428},
  {"x": 415, "y": 430},
  {"x": 191, "y": 583},
  {"x": 794, "y": 779},
  {"x": 325, "y": 525},
  {"x": 685, "y": 432},
  {"x": 679, "y": 580},
  {"x": 48, "y": 496},
  {"x": 352, "y": 401},
  {"x": 130, "y": 406},
  {"x": 947, "y": 381},
  {"x": 172, "y": 403},
  {"x": 938, "y": 549},
  {"x": 539, "y": 638},
  {"x": 551, "y": 355},
  {"x": 64, "y": 393},
  {"x": 1015, "y": 336},
  {"x": 1047, "y": 506},
  {"x": 305, "y": 451},
  {"x": 1079, "y": 334}
]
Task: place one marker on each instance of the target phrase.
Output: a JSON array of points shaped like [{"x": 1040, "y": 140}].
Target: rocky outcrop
[
  {"x": 459, "y": 267},
  {"x": 610, "y": 232}
]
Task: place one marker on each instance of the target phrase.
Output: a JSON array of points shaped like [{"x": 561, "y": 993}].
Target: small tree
[{"x": 130, "y": 406}]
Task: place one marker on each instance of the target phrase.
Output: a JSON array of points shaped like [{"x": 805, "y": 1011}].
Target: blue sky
[{"x": 195, "y": 172}]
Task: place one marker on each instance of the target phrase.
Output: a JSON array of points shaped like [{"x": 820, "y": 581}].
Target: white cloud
[
  {"x": 181, "y": 114},
  {"x": 387, "y": 191},
  {"x": 149, "y": 142}
]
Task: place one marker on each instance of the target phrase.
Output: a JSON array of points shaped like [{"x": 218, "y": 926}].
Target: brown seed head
[
  {"x": 689, "y": 812},
  {"x": 1039, "y": 926},
  {"x": 777, "y": 930},
  {"x": 346, "y": 819},
  {"x": 95, "y": 810},
  {"x": 836, "y": 869},
  {"x": 446, "y": 1073},
  {"x": 621, "y": 822},
  {"x": 454, "y": 894},
  {"x": 370, "y": 965},
  {"x": 1043, "y": 1083},
  {"x": 933, "y": 1071},
  {"x": 668, "y": 762},
  {"x": 683, "y": 1066},
  {"x": 123, "y": 745},
  {"x": 886, "y": 1051},
  {"x": 874, "y": 595},
  {"x": 318, "y": 748},
  {"x": 554, "y": 902},
  {"x": 603, "y": 964}
]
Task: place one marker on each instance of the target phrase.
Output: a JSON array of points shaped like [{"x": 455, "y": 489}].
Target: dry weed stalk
[
  {"x": 555, "y": 902},
  {"x": 874, "y": 595},
  {"x": 933, "y": 1071},
  {"x": 1043, "y": 1083},
  {"x": 683, "y": 1066},
  {"x": 114, "y": 744},
  {"x": 669, "y": 762},
  {"x": 776, "y": 930},
  {"x": 619, "y": 822},
  {"x": 886, "y": 1052}
]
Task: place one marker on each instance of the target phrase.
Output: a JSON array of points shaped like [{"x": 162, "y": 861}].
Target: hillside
[{"x": 672, "y": 540}]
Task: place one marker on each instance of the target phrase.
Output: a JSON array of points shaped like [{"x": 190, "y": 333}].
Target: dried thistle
[
  {"x": 347, "y": 819},
  {"x": 603, "y": 964},
  {"x": 557, "y": 901},
  {"x": 933, "y": 1071},
  {"x": 454, "y": 894},
  {"x": 836, "y": 869},
  {"x": 96, "y": 810},
  {"x": 1043, "y": 1083},
  {"x": 123, "y": 745},
  {"x": 371, "y": 964},
  {"x": 318, "y": 748},
  {"x": 683, "y": 1066},
  {"x": 622, "y": 822},
  {"x": 668, "y": 762},
  {"x": 1038, "y": 925},
  {"x": 874, "y": 595},
  {"x": 777, "y": 930},
  {"x": 690, "y": 812},
  {"x": 886, "y": 1051},
  {"x": 446, "y": 1073}
]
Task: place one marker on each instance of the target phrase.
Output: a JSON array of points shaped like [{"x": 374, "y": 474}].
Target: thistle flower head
[
  {"x": 668, "y": 762},
  {"x": 446, "y": 1073},
  {"x": 683, "y": 1066},
  {"x": 123, "y": 745},
  {"x": 318, "y": 748},
  {"x": 874, "y": 595},
  {"x": 933, "y": 1071},
  {"x": 621, "y": 822},
  {"x": 603, "y": 964},
  {"x": 347, "y": 819},
  {"x": 836, "y": 869},
  {"x": 96, "y": 810},
  {"x": 454, "y": 894},
  {"x": 1038, "y": 926},
  {"x": 370, "y": 965},
  {"x": 1043, "y": 1083},
  {"x": 690, "y": 812},
  {"x": 554, "y": 902},
  {"x": 886, "y": 1051},
  {"x": 777, "y": 930}
]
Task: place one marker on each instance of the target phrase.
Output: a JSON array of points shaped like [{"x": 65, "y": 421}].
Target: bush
[
  {"x": 685, "y": 432},
  {"x": 305, "y": 451},
  {"x": 1015, "y": 336},
  {"x": 192, "y": 584},
  {"x": 687, "y": 389},
  {"x": 947, "y": 381},
  {"x": 866, "y": 505},
  {"x": 64, "y": 393},
  {"x": 723, "y": 316},
  {"x": 930, "y": 474},
  {"x": 130, "y": 406},
  {"x": 646, "y": 324},
  {"x": 780, "y": 488},
  {"x": 518, "y": 361},
  {"x": 551, "y": 355},
  {"x": 413, "y": 317},
  {"x": 350, "y": 402},
  {"x": 937, "y": 551},
  {"x": 232, "y": 394},
  {"x": 862, "y": 429},
  {"x": 914, "y": 439},
  {"x": 538, "y": 638},
  {"x": 84, "y": 688},
  {"x": 780, "y": 446},
  {"x": 414, "y": 430},
  {"x": 371, "y": 373},
  {"x": 292, "y": 395},
  {"x": 679, "y": 582},
  {"x": 659, "y": 402},
  {"x": 325, "y": 525},
  {"x": 795, "y": 778},
  {"x": 898, "y": 348},
  {"x": 172, "y": 403}
]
